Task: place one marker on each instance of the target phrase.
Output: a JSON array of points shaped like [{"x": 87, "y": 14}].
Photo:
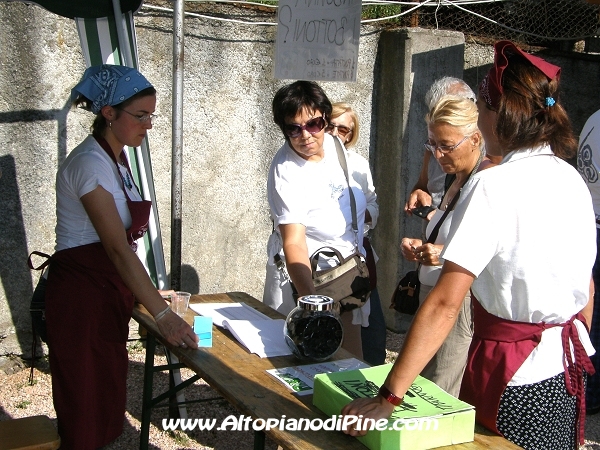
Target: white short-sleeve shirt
[
  {"x": 315, "y": 194},
  {"x": 588, "y": 159},
  {"x": 87, "y": 167},
  {"x": 526, "y": 230}
]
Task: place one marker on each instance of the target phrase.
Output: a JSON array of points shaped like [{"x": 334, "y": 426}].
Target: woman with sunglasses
[
  {"x": 526, "y": 367},
  {"x": 309, "y": 202},
  {"x": 344, "y": 125},
  {"x": 94, "y": 276},
  {"x": 457, "y": 145}
]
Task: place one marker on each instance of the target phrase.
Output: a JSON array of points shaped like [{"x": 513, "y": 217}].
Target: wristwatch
[{"x": 387, "y": 394}]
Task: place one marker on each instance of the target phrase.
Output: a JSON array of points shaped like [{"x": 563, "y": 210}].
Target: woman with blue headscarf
[{"x": 94, "y": 275}]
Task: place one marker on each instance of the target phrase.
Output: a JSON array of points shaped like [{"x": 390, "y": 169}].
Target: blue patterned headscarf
[{"x": 109, "y": 85}]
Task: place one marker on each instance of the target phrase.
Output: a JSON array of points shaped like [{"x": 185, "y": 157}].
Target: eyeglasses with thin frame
[
  {"x": 141, "y": 117},
  {"x": 313, "y": 126},
  {"x": 341, "y": 129},
  {"x": 444, "y": 149}
]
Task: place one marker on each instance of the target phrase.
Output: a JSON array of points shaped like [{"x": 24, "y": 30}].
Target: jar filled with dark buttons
[{"x": 313, "y": 330}]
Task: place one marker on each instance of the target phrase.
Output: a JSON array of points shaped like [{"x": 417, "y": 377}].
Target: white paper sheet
[
  {"x": 257, "y": 332},
  {"x": 227, "y": 311},
  {"x": 263, "y": 337}
]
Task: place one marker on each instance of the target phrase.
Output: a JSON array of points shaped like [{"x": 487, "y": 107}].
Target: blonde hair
[
  {"x": 456, "y": 111},
  {"x": 340, "y": 108}
]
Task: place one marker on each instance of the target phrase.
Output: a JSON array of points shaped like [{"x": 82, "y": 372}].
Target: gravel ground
[{"x": 18, "y": 399}]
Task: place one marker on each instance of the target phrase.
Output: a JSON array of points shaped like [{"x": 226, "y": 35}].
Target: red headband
[{"x": 491, "y": 86}]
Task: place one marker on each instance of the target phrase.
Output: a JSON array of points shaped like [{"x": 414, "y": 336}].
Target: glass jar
[{"x": 313, "y": 330}]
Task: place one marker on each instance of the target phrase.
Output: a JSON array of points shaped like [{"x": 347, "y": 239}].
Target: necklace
[
  {"x": 446, "y": 201},
  {"x": 126, "y": 180}
]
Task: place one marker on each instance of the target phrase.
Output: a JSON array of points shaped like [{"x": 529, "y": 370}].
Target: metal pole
[
  {"x": 124, "y": 45},
  {"x": 177, "y": 145},
  {"x": 176, "y": 182}
]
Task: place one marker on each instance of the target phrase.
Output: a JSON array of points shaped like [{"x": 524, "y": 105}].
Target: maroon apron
[
  {"x": 139, "y": 210},
  {"x": 88, "y": 309},
  {"x": 498, "y": 350}
]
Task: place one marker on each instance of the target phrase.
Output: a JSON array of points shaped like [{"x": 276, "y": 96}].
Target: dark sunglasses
[
  {"x": 313, "y": 126},
  {"x": 341, "y": 129}
]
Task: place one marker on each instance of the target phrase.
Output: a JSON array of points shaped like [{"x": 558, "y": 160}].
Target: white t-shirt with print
[
  {"x": 315, "y": 194},
  {"x": 588, "y": 159}
]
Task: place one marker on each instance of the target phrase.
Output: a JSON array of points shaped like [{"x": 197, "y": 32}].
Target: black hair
[{"x": 291, "y": 99}]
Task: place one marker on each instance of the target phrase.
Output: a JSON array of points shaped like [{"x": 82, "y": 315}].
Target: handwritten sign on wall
[{"x": 317, "y": 40}]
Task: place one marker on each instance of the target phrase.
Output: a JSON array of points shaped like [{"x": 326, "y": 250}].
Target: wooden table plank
[{"x": 240, "y": 377}]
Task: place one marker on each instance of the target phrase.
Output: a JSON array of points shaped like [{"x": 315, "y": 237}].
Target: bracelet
[
  {"x": 389, "y": 396},
  {"x": 162, "y": 314}
]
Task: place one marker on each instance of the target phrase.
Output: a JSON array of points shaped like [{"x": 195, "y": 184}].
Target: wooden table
[{"x": 240, "y": 378}]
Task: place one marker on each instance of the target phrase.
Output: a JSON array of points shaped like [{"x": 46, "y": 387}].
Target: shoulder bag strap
[
  {"x": 434, "y": 233},
  {"x": 343, "y": 163},
  {"x": 41, "y": 266}
]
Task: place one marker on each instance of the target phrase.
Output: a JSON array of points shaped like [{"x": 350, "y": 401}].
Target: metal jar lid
[{"x": 315, "y": 303}]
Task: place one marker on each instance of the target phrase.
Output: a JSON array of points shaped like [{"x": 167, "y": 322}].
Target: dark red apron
[
  {"x": 88, "y": 309},
  {"x": 139, "y": 210},
  {"x": 498, "y": 350}
]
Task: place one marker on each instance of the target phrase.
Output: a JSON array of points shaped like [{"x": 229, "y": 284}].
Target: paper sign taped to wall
[{"x": 317, "y": 40}]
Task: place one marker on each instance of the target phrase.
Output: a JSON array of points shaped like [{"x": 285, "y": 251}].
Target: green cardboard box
[{"x": 428, "y": 417}]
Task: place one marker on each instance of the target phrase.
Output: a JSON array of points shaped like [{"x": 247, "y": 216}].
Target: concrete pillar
[
  {"x": 592, "y": 44},
  {"x": 408, "y": 62}
]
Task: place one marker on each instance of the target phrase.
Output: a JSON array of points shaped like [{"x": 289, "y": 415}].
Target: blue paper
[{"x": 203, "y": 328}]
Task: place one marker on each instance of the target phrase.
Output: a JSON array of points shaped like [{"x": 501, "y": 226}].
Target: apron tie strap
[{"x": 574, "y": 368}]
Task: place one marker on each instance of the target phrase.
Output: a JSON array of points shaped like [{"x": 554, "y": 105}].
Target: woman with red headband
[{"x": 527, "y": 363}]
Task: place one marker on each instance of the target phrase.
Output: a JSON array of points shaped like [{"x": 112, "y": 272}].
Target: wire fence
[{"x": 531, "y": 22}]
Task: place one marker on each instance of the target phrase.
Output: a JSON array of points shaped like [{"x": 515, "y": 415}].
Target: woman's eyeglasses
[
  {"x": 341, "y": 129},
  {"x": 313, "y": 126},
  {"x": 141, "y": 117},
  {"x": 443, "y": 148}
]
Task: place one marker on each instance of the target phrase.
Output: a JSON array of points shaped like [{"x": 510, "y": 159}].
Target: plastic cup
[{"x": 179, "y": 302}]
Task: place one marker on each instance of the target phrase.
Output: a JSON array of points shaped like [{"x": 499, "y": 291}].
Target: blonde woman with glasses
[
  {"x": 344, "y": 124},
  {"x": 456, "y": 143}
]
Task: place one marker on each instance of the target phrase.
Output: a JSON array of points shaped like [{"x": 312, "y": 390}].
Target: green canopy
[{"x": 108, "y": 37}]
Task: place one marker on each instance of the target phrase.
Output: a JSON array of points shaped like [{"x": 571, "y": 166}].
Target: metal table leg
[
  {"x": 259, "y": 440},
  {"x": 147, "y": 392},
  {"x": 148, "y": 403}
]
